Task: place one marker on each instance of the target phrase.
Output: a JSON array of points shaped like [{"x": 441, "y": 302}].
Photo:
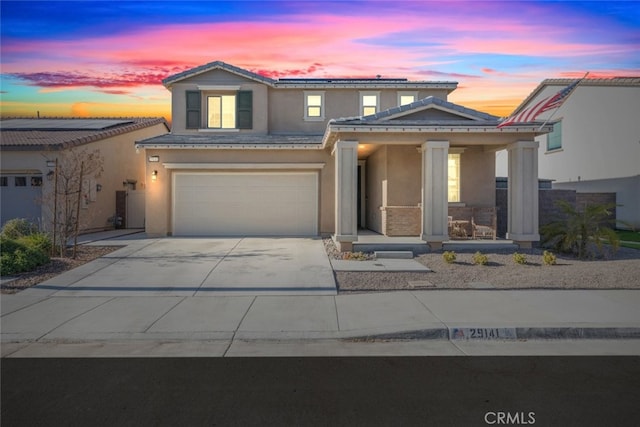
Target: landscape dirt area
[
  {"x": 57, "y": 266},
  {"x": 619, "y": 271}
]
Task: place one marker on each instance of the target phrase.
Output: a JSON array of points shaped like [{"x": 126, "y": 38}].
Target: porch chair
[{"x": 487, "y": 227}]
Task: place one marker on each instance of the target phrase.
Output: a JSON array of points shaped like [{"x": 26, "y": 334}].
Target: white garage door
[{"x": 245, "y": 204}]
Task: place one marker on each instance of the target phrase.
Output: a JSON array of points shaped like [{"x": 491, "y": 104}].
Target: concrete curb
[{"x": 519, "y": 333}]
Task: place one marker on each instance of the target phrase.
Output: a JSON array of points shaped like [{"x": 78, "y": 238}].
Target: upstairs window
[
  {"x": 454, "y": 178},
  {"x": 314, "y": 105},
  {"x": 369, "y": 103},
  {"x": 554, "y": 139},
  {"x": 221, "y": 112},
  {"x": 405, "y": 98}
]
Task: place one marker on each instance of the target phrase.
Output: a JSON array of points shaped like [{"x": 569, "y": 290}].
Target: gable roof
[
  {"x": 615, "y": 81},
  {"x": 57, "y": 133},
  {"x": 316, "y": 83},
  {"x": 216, "y": 65},
  {"x": 396, "y": 114}
]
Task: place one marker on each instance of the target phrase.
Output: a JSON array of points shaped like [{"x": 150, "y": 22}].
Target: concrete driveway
[{"x": 203, "y": 266}]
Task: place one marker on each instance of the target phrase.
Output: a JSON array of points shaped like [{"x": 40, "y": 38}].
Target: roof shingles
[{"x": 33, "y": 139}]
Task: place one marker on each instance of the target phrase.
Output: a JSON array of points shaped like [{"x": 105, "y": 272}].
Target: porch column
[
  {"x": 435, "y": 206},
  {"x": 346, "y": 191},
  {"x": 522, "y": 225}
]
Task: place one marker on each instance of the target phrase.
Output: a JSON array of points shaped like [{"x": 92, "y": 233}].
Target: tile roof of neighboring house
[
  {"x": 421, "y": 104},
  {"x": 35, "y": 134},
  {"x": 309, "y": 82},
  {"x": 616, "y": 81},
  {"x": 232, "y": 141}
]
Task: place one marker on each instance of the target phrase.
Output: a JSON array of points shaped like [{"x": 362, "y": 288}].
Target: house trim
[{"x": 243, "y": 166}]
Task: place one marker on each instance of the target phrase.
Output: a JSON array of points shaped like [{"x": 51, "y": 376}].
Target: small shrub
[
  {"x": 18, "y": 227},
  {"x": 449, "y": 257},
  {"x": 18, "y": 257},
  {"x": 480, "y": 258},
  {"x": 519, "y": 258},
  {"x": 548, "y": 258},
  {"x": 354, "y": 256},
  {"x": 38, "y": 241}
]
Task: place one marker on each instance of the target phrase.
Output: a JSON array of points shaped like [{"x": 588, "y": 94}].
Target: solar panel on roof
[{"x": 61, "y": 124}]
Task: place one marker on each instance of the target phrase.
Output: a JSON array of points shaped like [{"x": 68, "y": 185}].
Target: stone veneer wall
[{"x": 401, "y": 220}]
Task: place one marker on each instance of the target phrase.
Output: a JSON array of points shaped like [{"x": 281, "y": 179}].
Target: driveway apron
[{"x": 205, "y": 267}]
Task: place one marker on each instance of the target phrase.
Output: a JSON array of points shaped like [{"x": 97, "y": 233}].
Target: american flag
[{"x": 554, "y": 101}]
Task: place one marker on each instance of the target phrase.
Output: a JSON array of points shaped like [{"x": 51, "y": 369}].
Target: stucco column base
[
  {"x": 524, "y": 244},
  {"x": 344, "y": 243},
  {"x": 435, "y": 246}
]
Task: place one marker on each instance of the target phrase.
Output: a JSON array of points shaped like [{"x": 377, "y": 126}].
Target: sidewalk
[
  {"x": 32, "y": 317},
  {"x": 40, "y": 322}
]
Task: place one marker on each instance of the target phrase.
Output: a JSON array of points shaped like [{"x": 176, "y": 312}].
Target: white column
[
  {"x": 435, "y": 205},
  {"x": 522, "y": 226},
  {"x": 346, "y": 192}
]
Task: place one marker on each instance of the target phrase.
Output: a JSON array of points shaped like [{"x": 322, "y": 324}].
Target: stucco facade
[
  {"x": 380, "y": 149},
  {"x": 595, "y": 144},
  {"x": 120, "y": 163}
]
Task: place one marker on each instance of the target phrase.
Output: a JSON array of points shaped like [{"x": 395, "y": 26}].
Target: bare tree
[{"x": 73, "y": 167}]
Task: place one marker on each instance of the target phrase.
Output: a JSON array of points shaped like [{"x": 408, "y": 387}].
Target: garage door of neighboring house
[
  {"x": 245, "y": 204},
  {"x": 21, "y": 196}
]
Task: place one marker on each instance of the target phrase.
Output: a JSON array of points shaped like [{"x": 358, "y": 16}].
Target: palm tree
[{"x": 581, "y": 230}]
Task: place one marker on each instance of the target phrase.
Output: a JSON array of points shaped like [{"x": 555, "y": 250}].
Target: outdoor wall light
[
  {"x": 98, "y": 187},
  {"x": 154, "y": 159},
  {"x": 154, "y": 175},
  {"x": 50, "y": 175}
]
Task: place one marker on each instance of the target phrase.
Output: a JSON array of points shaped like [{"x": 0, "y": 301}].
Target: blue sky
[{"x": 101, "y": 58}]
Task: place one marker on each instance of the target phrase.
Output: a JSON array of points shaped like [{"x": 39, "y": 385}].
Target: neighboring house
[
  {"x": 29, "y": 148},
  {"x": 595, "y": 142},
  {"x": 250, "y": 155}
]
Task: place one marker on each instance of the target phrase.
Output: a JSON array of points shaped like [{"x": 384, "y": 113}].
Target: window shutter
[
  {"x": 194, "y": 106},
  {"x": 244, "y": 106}
]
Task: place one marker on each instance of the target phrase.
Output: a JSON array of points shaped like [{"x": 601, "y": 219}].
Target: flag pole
[{"x": 556, "y": 110}]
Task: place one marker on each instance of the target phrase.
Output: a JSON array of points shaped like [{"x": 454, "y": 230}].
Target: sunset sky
[{"x": 108, "y": 58}]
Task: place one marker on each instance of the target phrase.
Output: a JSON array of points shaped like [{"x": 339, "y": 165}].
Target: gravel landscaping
[
  {"x": 57, "y": 266},
  {"x": 619, "y": 271}
]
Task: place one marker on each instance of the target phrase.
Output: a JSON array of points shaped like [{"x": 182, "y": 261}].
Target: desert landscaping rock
[{"x": 619, "y": 271}]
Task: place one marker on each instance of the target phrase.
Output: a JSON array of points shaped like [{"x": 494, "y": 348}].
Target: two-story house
[
  {"x": 251, "y": 155},
  {"x": 595, "y": 142}
]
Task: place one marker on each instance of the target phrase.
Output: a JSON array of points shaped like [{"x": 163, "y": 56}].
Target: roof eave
[{"x": 183, "y": 146}]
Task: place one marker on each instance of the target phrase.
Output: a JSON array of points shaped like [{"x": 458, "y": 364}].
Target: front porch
[
  {"x": 402, "y": 172},
  {"x": 370, "y": 241}
]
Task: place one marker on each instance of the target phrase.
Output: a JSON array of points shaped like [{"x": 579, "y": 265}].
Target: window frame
[
  {"x": 556, "y": 136},
  {"x": 222, "y": 113},
  {"x": 308, "y": 117},
  {"x": 363, "y": 94},
  {"x": 405, "y": 93},
  {"x": 457, "y": 157}
]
